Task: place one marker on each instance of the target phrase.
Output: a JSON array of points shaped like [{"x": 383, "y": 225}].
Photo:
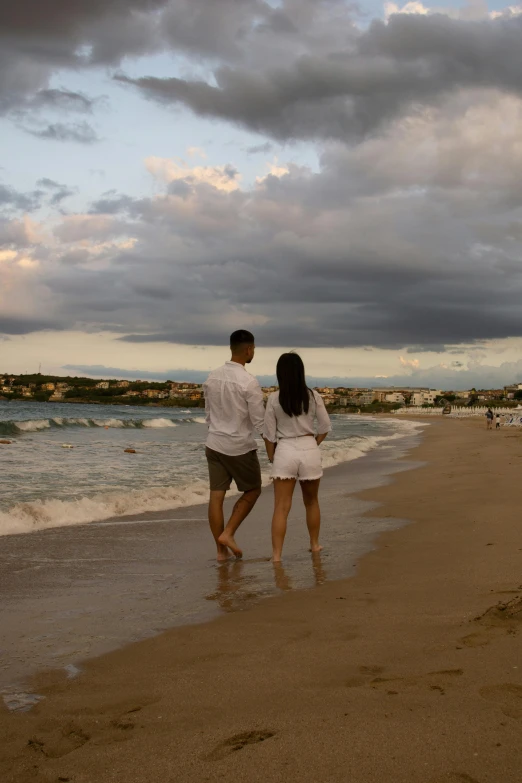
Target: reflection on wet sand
[
  {"x": 241, "y": 583},
  {"x": 283, "y": 581},
  {"x": 235, "y": 589},
  {"x": 281, "y": 578},
  {"x": 319, "y": 572}
]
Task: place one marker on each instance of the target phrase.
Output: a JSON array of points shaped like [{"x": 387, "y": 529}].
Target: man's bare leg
[
  {"x": 242, "y": 508},
  {"x": 217, "y": 521}
]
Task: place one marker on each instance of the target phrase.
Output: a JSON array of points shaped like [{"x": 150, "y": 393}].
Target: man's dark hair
[
  {"x": 241, "y": 337},
  {"x": 294, "y": 395}
]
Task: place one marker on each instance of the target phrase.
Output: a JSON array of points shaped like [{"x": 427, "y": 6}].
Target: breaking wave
[
  {"x": 44, "y": 514},
  {"x": 14, "y": 427},
  {"x": 27, "y": 517}
]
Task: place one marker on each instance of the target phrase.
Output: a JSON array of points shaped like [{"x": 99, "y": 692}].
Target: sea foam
[{"x": 26, "y": 517}]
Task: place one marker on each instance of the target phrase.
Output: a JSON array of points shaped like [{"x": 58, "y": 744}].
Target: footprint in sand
[
  {"x": 500, "y": 619},
  {"x": 55, "y": 744},
  {"x": 238, "y": 742},
  {"x": 436, "y": 681},
  {"x": 371, "y": 669},
  {"x": 508, "y": 697}
]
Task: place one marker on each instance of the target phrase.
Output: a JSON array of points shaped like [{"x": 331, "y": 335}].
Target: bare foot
[
  {"x": 222, "y": 554},
  {"x": 315, "y": 548},
  {"x": 276, "y": 558},
  {"x": 227, "y": 540}
]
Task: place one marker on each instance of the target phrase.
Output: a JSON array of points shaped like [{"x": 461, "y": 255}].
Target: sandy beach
[{"x": 409, "y": 671}]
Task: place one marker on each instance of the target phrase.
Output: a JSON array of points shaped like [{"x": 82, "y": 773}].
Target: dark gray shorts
[{"x": 244, "y": 469}]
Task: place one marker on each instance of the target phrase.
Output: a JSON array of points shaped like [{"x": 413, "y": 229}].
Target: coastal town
[{"x": 47, "y": 388}]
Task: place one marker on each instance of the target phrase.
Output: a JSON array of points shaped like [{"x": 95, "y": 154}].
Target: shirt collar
[{"x": 236, "y": 364}]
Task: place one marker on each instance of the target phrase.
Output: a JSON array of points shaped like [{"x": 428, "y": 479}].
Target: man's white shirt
[{"x": 234, "y": 409}]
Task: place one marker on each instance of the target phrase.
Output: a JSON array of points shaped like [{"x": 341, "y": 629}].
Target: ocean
[
  {"x": 67, "y": 465},
  {"x": 100, "y": 548}
]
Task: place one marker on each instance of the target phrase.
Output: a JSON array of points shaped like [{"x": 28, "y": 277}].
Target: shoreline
[
  {"x": 407, "y": 672},
  {"x": 163, "y": 565}
]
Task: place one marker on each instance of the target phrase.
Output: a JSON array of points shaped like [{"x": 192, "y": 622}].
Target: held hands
[{"x": 270, "y": 449}]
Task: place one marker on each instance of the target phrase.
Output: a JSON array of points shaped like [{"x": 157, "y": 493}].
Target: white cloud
[
  {"x": 413, "y": 7},
  {"x": 275, "y": 169},
  {"x": 409, "y": 364},
  {"x": 224, "y": 178},
  {"x": 510, "y": 10}
]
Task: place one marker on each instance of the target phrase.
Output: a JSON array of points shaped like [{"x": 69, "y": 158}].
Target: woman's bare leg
[
  {"x": 310, "y": 490},
  {"x": 283, "y": 491}
]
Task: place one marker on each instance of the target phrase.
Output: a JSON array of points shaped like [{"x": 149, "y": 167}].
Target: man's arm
[
  {"x": 207, "y": 404},
  {"x": 256, "y": 408}
]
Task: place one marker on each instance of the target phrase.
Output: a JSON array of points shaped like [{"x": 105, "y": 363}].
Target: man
[{"x": 235, "y": 410}]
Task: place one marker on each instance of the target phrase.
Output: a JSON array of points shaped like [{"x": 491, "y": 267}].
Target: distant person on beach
[
  {"x": 234, "y": 411},
  {"x": 497, "y": 420},
  {"x": 489, "y": 419},
  {"x": 293, "y": 447}
]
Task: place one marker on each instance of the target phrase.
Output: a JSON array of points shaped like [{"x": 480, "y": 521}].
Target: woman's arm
[
  {"x": 270, "y": 449},
  {"x": 270, "y": 430},
  {"x": 324, "y": 425}
]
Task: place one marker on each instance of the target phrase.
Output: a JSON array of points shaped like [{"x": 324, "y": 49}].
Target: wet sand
[
  {"x": 76, "y": 592},
  {"x": 410, "y": 671}
]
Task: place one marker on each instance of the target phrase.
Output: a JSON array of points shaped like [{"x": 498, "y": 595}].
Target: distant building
[
  {"x": 395, "y": 397},
  {"x": 48, "y": 386},
  {"x": 102, "y": 385},
  {"x": 123, "y": 384},
  {"x": 425, "y": 397},
  {"x": 365, "y": 398}
]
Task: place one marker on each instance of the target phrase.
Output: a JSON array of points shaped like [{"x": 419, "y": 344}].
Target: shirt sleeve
[
  {"x": 256, "y": 408},
  {"x": 324, "y": 424},
  {"x": 270, "y": 430},
  {"x": 207, "y": 404}
]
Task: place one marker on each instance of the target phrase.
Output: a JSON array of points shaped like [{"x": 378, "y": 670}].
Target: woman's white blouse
[{"x": 279, "y": 424}]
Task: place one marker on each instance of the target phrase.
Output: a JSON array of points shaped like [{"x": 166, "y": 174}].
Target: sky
[{"x": 343, "y": 179}]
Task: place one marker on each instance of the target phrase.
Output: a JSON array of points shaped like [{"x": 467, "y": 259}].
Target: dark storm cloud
[
  {"x": 348, "y": 93},
  {"x": 300, "y": 71},
  {"x": 80, "y": 132},
  {"x": 37, "y": 39},
  {"x": 410, "y": 232},
  {"x": 19, "y": 326},
  {"x": 62, "y": 100}
]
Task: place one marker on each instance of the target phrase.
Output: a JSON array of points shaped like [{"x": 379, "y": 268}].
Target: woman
[{"x": 293, "y": 448}]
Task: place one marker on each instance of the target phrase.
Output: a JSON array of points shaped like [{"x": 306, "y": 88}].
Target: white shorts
[{"x": 297, "y": 458}]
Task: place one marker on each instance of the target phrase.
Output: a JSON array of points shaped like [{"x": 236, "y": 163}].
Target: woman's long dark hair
[{"x": 294, "y": 394}]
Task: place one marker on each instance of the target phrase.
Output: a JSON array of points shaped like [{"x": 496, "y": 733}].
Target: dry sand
[{"x": 410, "y": 671}]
